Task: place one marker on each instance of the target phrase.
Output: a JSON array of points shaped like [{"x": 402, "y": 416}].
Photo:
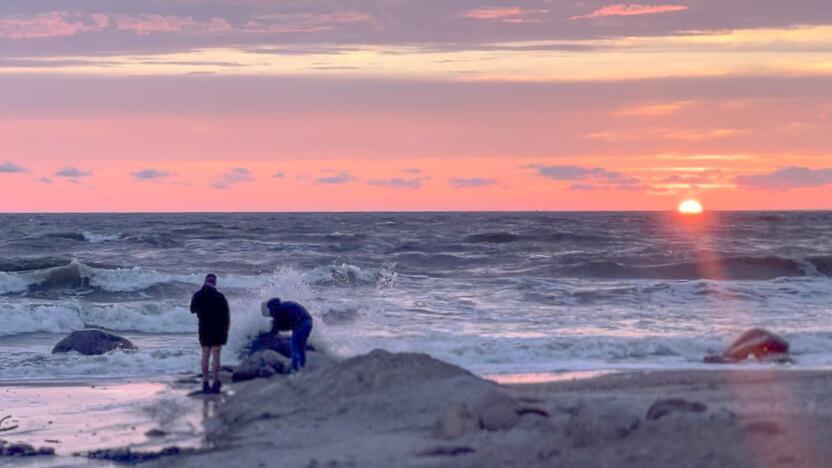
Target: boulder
[
  {"x": 262, "y": 364},
  {"x": 497, "y": 412},
  {"x": 593, "y": 425},
  {"x": 93, "y": 342},
  {"x": 455, "y": 421},
  {"x": 757, "y": 342},
  {"x": 663, "y": 408},
  {"x": 268, "y": 341}
]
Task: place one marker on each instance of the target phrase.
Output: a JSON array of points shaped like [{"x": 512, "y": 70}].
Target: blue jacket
[{"x": 287, "y": 315}]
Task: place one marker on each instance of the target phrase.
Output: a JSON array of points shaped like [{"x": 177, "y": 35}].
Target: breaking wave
[{"x": 730, "y": 268}]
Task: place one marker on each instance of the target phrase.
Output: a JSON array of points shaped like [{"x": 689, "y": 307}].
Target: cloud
[
  {"x": 653, "y": 110},
  {"x": 600, "y": 177},
  {"x": 9, "y": 167},
  {"x": 303, "y": 22},
  {"x": 704, "y": 135},
  {"x": 50, "y": 24},
  {"x": 278, "y": 175},
  {"x": 504, "y": 14},
  {"x": 399, "y": 183},
  {"x": 73, "y": 173},
  {"x": 472, "y": 182},
  {"x": 569, "y": 172},
  {"x": 44, "y": 180},
  {"x": 151, "y": 174},
  {"x": 786, "y": 178},
  {"x": 237, "y": 175},
  {"x": 148, "y": 23},
  {"x": 341, "y": 178},
  {"x": 412, "y": 170},
  {"x": 631, "y": 9}
]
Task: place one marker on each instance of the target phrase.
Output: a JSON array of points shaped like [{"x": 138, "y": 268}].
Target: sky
[{"x": 353, "y": 105}]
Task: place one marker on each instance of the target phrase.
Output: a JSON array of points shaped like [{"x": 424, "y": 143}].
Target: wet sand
[
  {"x": 385, "y": 409},
  {"x": 78, "y": 416}
]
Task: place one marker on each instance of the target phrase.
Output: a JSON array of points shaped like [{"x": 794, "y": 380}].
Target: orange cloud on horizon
[{"x": 631, "y": 9}]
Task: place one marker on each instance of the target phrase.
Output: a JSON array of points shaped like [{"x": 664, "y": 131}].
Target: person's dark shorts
[{"x": 213, "y": 335}]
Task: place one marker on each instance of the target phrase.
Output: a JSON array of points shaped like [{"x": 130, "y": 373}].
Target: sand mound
[{"x": 380, "y": 390}]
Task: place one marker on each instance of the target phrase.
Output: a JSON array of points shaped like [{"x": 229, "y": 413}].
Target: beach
[
  {"x": 404, "y": 410},
  {"x": 626, "y": 304},
  {"x": 401, "y": 409}
]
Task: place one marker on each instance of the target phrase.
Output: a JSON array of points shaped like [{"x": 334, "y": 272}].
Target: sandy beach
[
  {"x": 384, "y": 409},
  {"x": 399, "y": 409}
]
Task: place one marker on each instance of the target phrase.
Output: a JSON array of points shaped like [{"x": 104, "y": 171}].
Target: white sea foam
[{"x": 96, "y": 238}]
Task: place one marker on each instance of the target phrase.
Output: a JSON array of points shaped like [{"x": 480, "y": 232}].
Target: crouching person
[{"x": 290, "y": 316}]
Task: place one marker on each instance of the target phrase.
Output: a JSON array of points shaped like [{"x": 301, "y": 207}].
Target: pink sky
[{"x": 524, "y": 105}]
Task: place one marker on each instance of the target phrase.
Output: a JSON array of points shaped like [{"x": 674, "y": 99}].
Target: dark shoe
[
  {"x": 205, "y": 387},
  {"x": 216, "y": 387}
]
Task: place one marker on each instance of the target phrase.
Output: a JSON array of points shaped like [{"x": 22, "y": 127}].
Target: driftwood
[{"x": 7, "y": 429}]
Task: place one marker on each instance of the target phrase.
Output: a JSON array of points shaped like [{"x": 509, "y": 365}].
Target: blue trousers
[{"x": 300, "y": 335}]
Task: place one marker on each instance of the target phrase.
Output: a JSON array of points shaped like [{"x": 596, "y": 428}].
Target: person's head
[
  {"x": 210, "y": 280},
  {"x": 267, "y": 308}
]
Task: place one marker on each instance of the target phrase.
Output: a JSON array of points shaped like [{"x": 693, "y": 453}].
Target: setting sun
[{"x": 690, "y": 207}]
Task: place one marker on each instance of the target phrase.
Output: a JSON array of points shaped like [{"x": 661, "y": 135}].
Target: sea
[{"x": 496, "y": 293}]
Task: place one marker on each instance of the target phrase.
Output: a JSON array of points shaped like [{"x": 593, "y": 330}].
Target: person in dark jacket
[
  {"x": 211, "y": 308},
  {"x": 287, "y": 315}
]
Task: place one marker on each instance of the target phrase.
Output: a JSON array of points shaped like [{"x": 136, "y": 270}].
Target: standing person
[
  {"x": 290, "y": 316},
  {"x": 211, "y": 308}
]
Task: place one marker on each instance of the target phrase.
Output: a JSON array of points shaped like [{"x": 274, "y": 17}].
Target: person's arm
[
  {"x": 194, "y": 304},
  {"x": 226, "y": 313}
]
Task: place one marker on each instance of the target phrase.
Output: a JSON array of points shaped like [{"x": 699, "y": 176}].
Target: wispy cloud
[
  {"x": 237, "y": 175},
  {"x": 147, "y": 24},
  {"x": 600, "y": 177},
  {"x": 653, "y": 110},
  {"x": 8, "y": 167},
  {"x": 786, "y": 178},
  {"x": 304, "y": 22},
  {"x": 473, "y": 182},
  {"x": 73, "y": 173},
  {"x": 341, "y": 178},
  {"x": 399, "y": 183},
  {"x": 631, "y": 9},
  {"x": 278, "y": 175},
  {"x": 504, "y": 14},
  {"x": 50, "y": 24},
  {"x": 151, "y": 174}
]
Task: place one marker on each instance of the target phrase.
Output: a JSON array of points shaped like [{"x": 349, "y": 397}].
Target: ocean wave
[
  {"x": 96, "y": 238},
  {"x": 67, "y": 316},
  {"x": 729, "y": 268},
  {"x": 350, "y": 275},
  {"x": 492, "y": 237}
]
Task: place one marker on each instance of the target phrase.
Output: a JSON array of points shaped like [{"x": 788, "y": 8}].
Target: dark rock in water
[
  {"x": 23, "y": 450},
  {"x": 268, "y": 341},
  {"x": 91, "y": 342},
  {"x": 756, "y": 342},
  {"x": 262, "y": 364},
  {"x": 155, "y": 433},
  {"x": 127, "y": 456},
  {"x": 663, "y": 408}
]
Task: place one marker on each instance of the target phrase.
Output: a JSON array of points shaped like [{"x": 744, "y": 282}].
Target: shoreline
[{"x": 592, "y": 418}]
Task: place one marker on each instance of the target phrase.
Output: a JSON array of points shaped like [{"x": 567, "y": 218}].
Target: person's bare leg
[
  {"x": 215, "y": 356},
  {"x": 206, "y": 353}
]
